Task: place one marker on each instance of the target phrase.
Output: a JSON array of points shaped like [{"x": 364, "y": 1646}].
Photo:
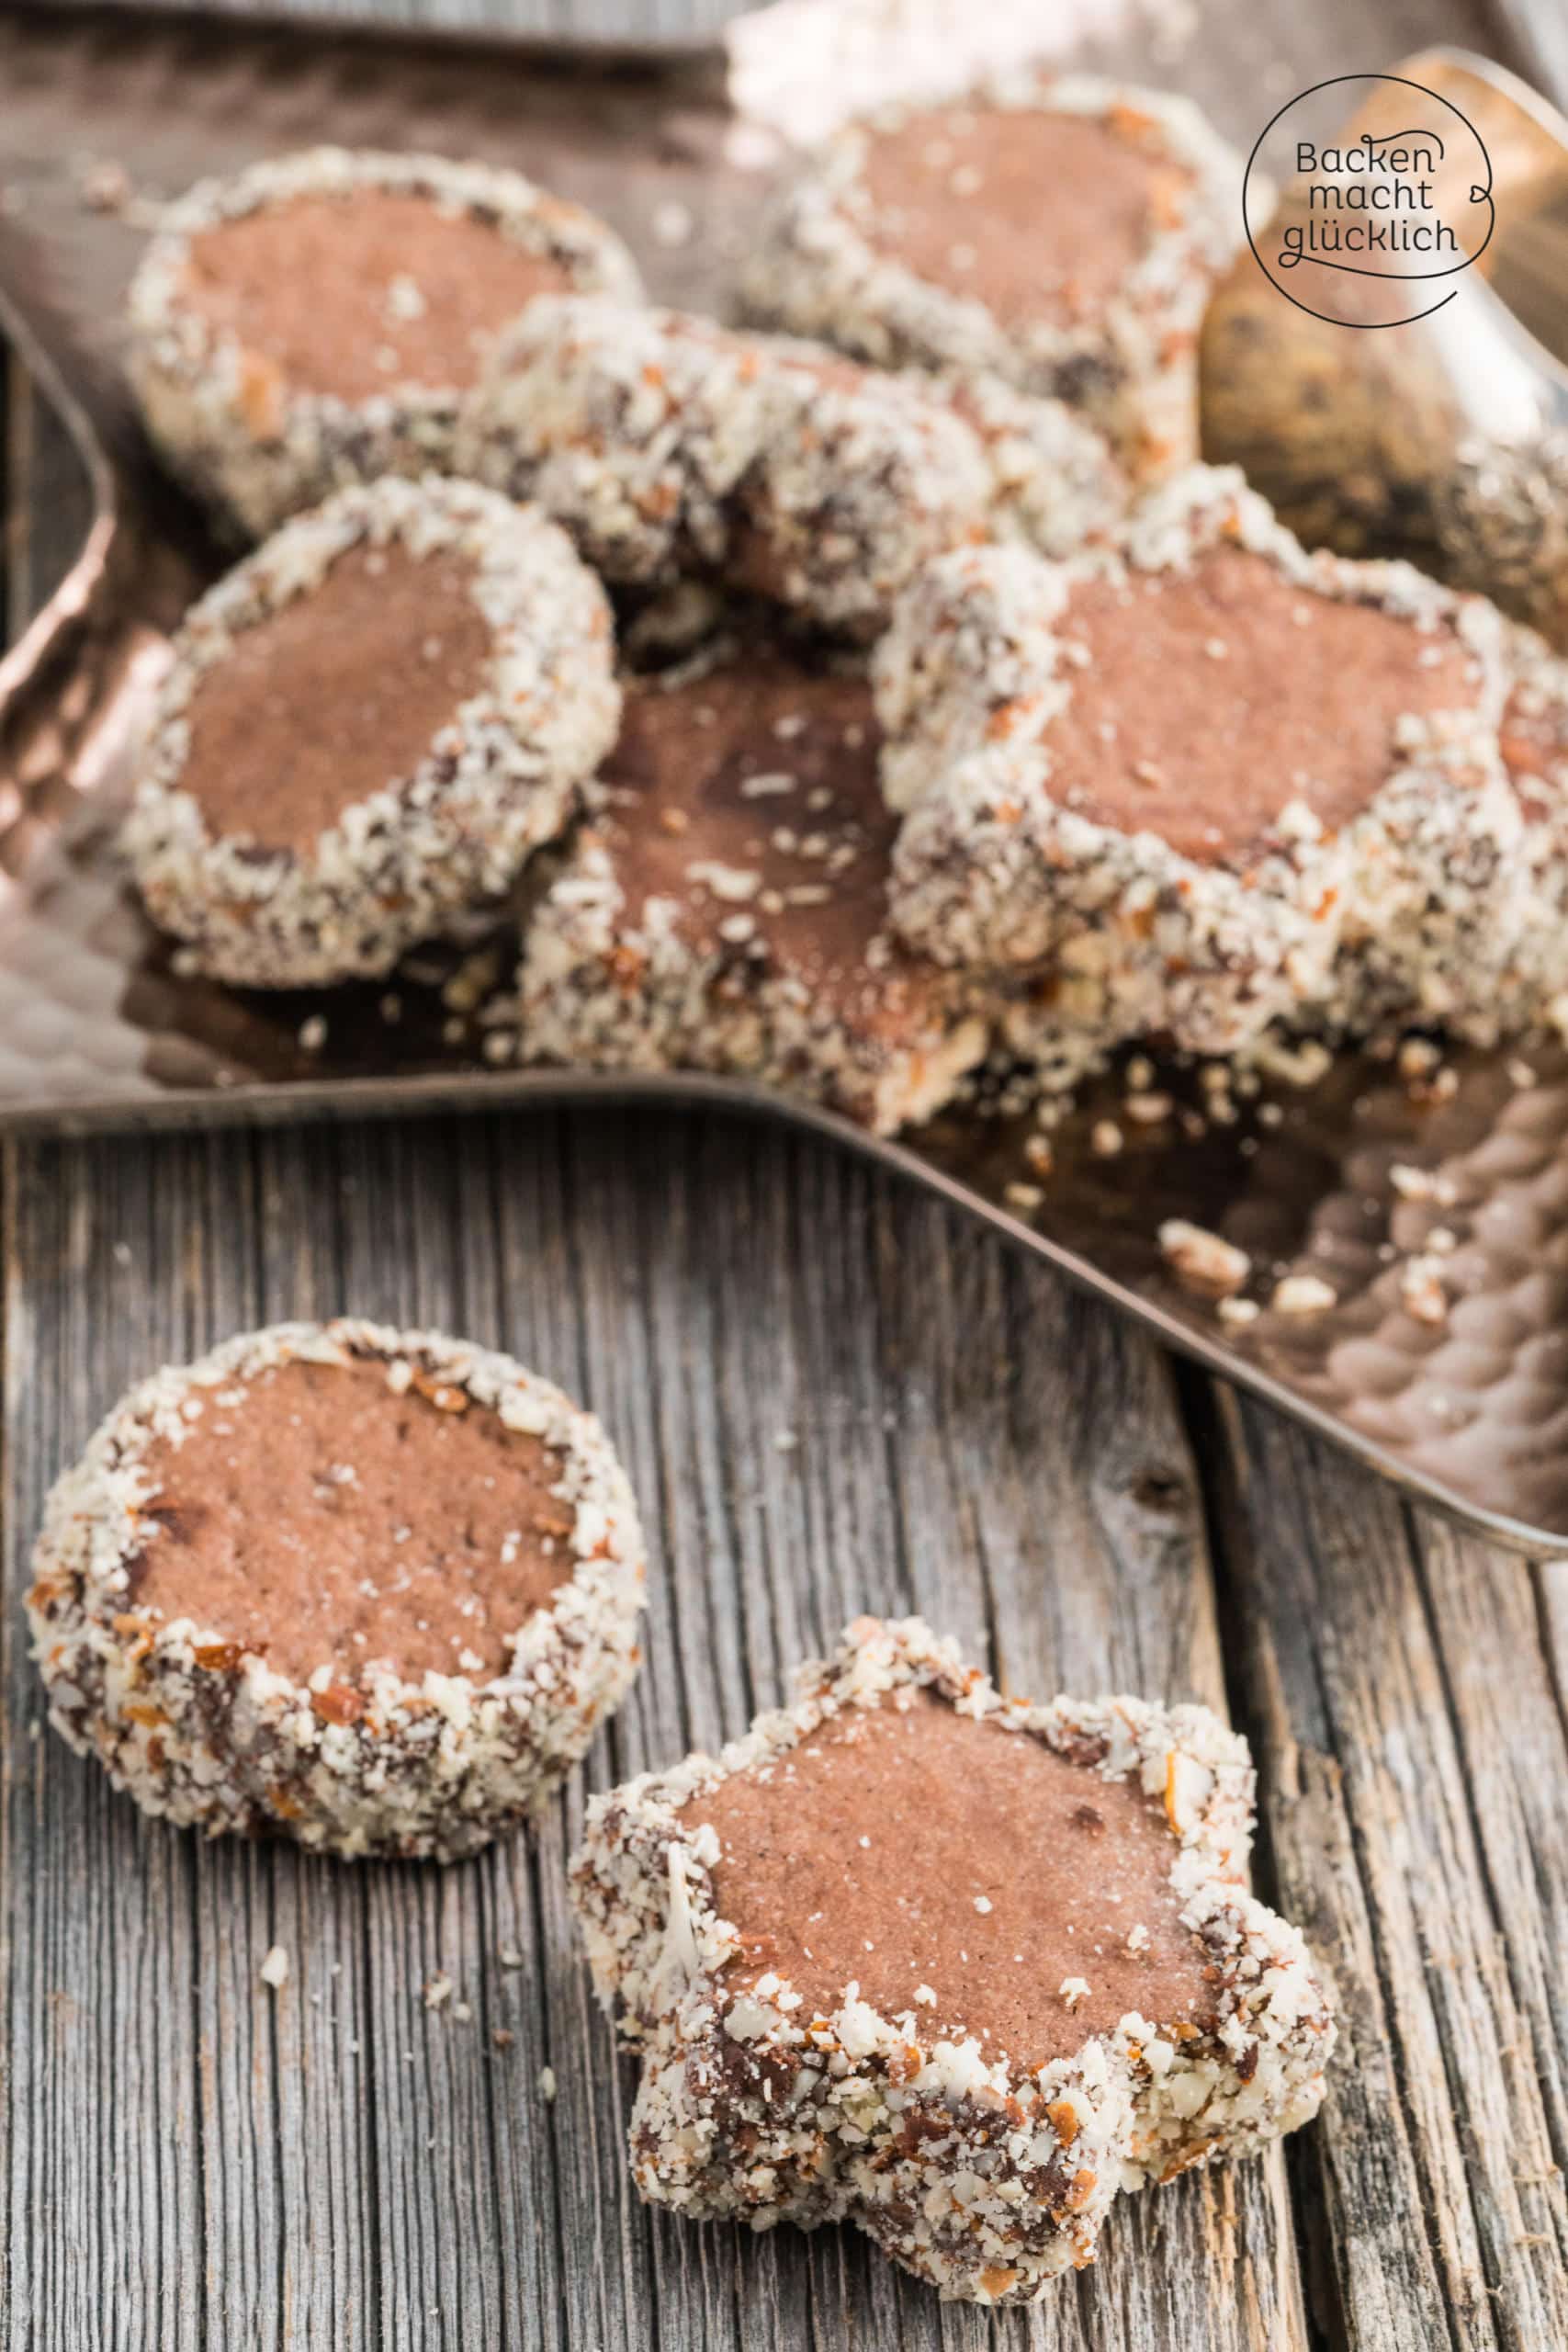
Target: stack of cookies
[{"x": 880, "y": 692}]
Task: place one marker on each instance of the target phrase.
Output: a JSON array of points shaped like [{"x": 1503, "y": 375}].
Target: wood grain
[{"x": 335, "y": 2164}]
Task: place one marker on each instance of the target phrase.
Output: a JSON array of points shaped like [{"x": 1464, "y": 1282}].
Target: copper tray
[{"x": 98, "y": 1030}]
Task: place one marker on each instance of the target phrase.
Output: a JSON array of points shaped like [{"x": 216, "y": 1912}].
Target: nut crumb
[
  {"x": 1423, "y": 1184},
  {"x": 275, "y": 1968},
  {"x": 1421, "y": 1289},
  {"x": 1202, "y": 1259},
  {"x": 1303, "y": 1294}
]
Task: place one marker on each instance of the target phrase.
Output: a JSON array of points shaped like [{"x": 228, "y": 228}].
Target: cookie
[
  {"x": 1055, "y": 485},
  {"x": 1205, "y": 777},
  {"x": 1535, "y": 752},
  {"x": 316, "y": 319},
  {"x": 949, "y": 1966},
  {"x": 1064, "y": 234},
  {"x": 370, "y": 1589},
  {"x": 667, "y": 446},
  {"x": 368, "y": 726},
  {"x": 725, "y": 907}
]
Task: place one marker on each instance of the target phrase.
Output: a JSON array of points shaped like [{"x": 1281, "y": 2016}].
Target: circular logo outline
[{"x": 1412, "y": 277}]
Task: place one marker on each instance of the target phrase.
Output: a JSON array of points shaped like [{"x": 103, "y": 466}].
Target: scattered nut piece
[
  {"x": 1297, "y": 1064},
  {"x": 1202, "y": 1259},
  {"x": 1303, "y": 1294},
  {"x": 275, "y": 1968},
  {"x": 1421, "y": 1290}
]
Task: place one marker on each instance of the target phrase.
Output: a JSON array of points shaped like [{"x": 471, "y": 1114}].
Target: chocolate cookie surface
[
  {"x": 951, "y": 1967},
  {"x": 725, "y": 907},
  {"x": 1061, "y": 234},
  {"x": 1204, "y": 778},
  {"x": 368, "y": 727},
  {"x": 368, "y": 1588},
  {"x": 317, "y": 319}
]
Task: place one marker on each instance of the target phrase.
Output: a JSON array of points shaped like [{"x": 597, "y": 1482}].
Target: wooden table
[{"x": 832, "y": 1395}]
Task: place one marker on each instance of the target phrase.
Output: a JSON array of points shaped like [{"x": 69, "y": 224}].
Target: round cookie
[
  {"x": 1207, "y": 777},
  {"x": 368, "y": 726},
  {"x": 1064, "y": 234},
  {"x": 666, "y": 445},
  {"x": 316, "y": 319},
  {"x": 371, "y": 1590}
]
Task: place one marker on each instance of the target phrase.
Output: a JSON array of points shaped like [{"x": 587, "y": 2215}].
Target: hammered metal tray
[{"x": 105, "y": 113}]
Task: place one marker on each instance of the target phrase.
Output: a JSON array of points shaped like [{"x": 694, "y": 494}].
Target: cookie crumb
[
  {"x": 1204, "y": 1260},
  {"x": 1421, "y": 1290},
  {"x": 1303, "y": 1294}
]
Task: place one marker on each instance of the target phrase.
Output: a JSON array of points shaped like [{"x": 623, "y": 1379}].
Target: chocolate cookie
[
  {"x": 1055, "y": 485},
  {"x": 368, "y": 726},
  {"x": 371, "y": 1590},
  {"x": 316, "y": 319},
  {"x": 725, "y": 907},
  {"x": 1535, "y": 752},
  {"x": 668, "y": 445},
  {"x": 947, "y": 1965},
  {"x": 1206, "y": 778},
  {"x": 1064, "y": 234}
]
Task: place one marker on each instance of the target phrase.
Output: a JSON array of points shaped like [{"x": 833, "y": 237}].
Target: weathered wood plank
[
  {"x": 336, "y": 2164},
  {"x": 1405, "y": 1719}
]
